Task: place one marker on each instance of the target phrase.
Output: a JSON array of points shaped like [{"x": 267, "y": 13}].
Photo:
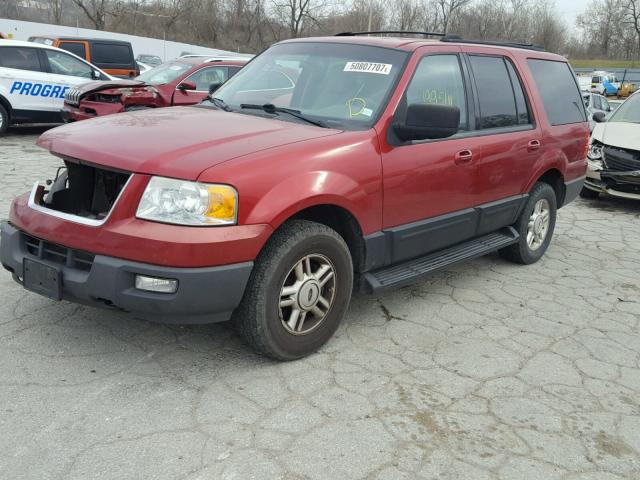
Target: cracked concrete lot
[{"x": 485, "y": 371}]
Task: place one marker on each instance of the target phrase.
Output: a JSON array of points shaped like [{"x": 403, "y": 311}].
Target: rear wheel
[
  {"x": 298, "y": 292},
  {"x": 588, "y": 193},
  {"x": 535, "y": 226},
  {"x": 4, "y": 120}
]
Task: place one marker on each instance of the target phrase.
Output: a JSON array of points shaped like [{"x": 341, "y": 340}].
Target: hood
[
  {"x": 178, "y": 142},
  {"x": 88, "y": 87},
  {"x": 618, "y": 134}
]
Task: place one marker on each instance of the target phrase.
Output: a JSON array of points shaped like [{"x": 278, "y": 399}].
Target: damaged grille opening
[
  {"x": 85, "y": 190},
  {"x": 104, "y": 98},
  {"x": 621, "y": 159}
]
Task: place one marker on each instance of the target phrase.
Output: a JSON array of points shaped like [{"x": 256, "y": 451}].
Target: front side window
[
  {"x": 438, "y": 80},
  {"x": 21, "y": 58},
  {"x": 597, "y": 104},
  {"x": 64, "y": 64},
  {"x": 560, "y": 94},
  {"x": 605, "y": 104},
  {"x": 342, "y": 85},
  {"x": 502, "y": 102},
  {"x": 206, "y": 77}
]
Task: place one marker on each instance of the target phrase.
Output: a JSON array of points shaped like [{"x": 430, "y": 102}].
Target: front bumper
[
  {"x": 204, "y": 295},
  {"x": 87, "y": 110},
  {"x": 616, "y": 184}
]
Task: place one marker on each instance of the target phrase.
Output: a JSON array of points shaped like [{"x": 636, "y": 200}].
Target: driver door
[
  {"x": 65, "y": 71},
  {"x": 203, "y": 79},
  {"x": 428, "y": 184}
]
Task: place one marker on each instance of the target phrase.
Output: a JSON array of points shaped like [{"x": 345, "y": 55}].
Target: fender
[{"x": 309, "y": 189}]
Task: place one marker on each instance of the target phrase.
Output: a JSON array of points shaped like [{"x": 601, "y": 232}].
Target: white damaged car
[{"x": 614, "y": 153}]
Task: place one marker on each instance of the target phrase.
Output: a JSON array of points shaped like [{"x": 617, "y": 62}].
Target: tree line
[{"x": 607, "y": 28}]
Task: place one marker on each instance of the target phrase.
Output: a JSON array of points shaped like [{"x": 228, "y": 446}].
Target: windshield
[
  {"x": 628, "y": 112},
  {"x": 165, "y": 73},
  {"x": 343, "y": 86}
]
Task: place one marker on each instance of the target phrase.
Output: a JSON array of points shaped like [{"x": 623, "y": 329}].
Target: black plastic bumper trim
[{"x": 205, "y": 295}]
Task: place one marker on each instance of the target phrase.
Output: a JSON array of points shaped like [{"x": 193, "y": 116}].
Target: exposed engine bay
[{"x": 84, "y": 190}]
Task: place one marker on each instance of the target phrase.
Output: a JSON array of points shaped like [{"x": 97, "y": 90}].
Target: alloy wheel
[
  {"x": 307, "y": 294},
  {"x": 538, "y": 225}
]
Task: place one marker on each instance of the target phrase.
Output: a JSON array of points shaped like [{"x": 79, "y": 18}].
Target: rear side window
[
  {"x": 559, "y": 91},
  {"x": 111, "y": 53},
  {"x": 500, "y": 94},
  {"x": 21, "y": 58},
  {"x": 74, "y": 47}
]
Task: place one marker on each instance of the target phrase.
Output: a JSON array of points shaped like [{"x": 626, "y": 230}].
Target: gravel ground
[{"x": 485, "y": 371}]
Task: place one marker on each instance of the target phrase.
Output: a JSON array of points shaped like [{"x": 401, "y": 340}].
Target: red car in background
[{"x": 184, "y": 81}]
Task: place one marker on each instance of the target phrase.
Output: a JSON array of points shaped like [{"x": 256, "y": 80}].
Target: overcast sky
[{"x": 570, "y": 9}]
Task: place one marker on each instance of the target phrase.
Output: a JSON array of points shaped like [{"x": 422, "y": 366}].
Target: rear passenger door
[
  {"x": 506, "y": 134},
  {"x": 65, "y": 72}
]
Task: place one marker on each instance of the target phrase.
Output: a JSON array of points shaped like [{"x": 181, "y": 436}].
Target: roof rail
[
  {"x": 496, "y": 43},
  {"x": 390, "y": 32}
]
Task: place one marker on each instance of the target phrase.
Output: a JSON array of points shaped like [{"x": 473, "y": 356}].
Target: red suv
[
  {"x": 325, "y": 163},
  {"x": 184, "y": 81}
]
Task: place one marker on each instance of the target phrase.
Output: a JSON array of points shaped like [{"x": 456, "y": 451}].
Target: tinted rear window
[
  {"x": 560, "y": 94},
  {"x": 21, "y": 58},
  {"x": 111, "y": 53}
]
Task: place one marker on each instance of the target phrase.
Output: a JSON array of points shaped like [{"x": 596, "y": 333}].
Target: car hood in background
[
  {"x": 94, "y": 86},
  {"x": 178, "y": 142},
  {"x": 618, "y": 134}
]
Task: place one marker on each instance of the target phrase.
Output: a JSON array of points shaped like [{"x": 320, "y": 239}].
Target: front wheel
[
  {"x": 298, "y": 292},
  {"x": 535, "y": 226}
]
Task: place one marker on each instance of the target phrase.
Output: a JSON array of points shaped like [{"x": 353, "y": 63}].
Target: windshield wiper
[
  {"x": 272, "y": 109},
  {"x": 218, "y": 102}
]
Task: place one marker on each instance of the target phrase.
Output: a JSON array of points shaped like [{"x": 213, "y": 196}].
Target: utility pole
[{"x": 370, "y": 14}]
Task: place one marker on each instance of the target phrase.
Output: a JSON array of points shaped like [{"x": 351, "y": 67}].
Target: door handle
[
  {"x": 463, "y": 157},
  {"x": 533, "y": 145}
]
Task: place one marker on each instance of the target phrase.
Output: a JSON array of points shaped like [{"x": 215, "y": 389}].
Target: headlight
[
  {"x": 595, "y": 151},
  {"x": 188, "y": 203},
  {"x": 134, "y": 91}
]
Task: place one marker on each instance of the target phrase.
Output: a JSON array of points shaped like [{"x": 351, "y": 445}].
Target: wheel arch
[
  {"x": 340, "y": 219},
  {"x": 553, "y": 177},
  {"x": 7, "y": 106}
]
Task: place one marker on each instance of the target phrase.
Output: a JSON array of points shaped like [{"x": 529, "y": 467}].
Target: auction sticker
[{"x": 368, "y": 67}]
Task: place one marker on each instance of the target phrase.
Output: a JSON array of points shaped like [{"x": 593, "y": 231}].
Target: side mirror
[
  {"x": 599, "y": 117},
  {"x": 425, "y": 121},
  {"x": 95, "y": 74},
  {"x": 214, "y": 86},
  {"x": 186, "y": 85}
]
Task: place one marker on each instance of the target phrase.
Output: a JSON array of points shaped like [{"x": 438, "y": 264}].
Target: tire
[
  {"x": 4, "y": 120},
  {"x": 588, "y": 193},
  {"x": 523, "y": 252},
  {"x": 270, "y": 328}
]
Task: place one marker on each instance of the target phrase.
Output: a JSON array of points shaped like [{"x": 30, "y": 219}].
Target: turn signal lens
[{"x": 222, "y": 203}]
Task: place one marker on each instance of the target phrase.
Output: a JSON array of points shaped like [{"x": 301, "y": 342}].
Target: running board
[{"x": 410, "y": 271}]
